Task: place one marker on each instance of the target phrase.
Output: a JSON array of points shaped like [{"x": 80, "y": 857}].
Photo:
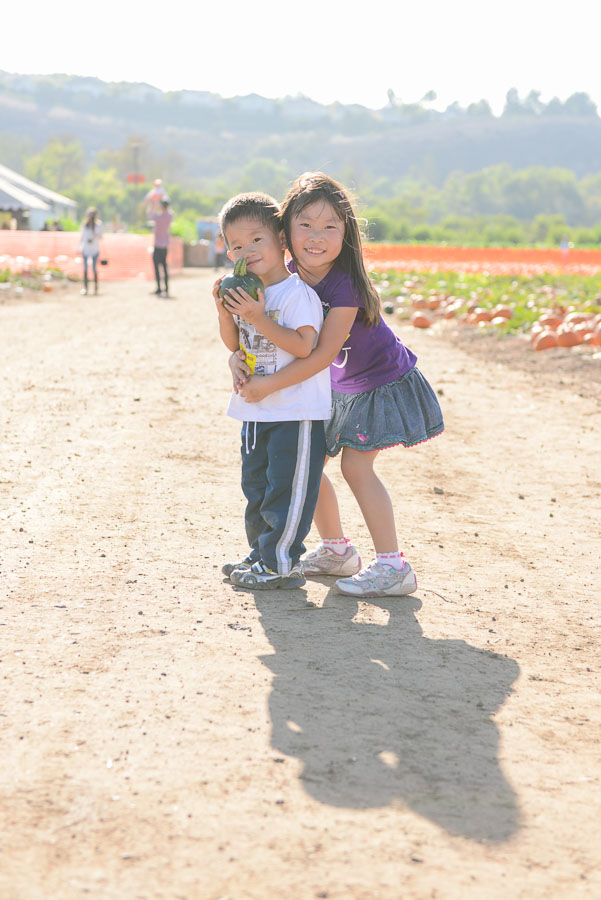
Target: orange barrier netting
[
  {"x": 129, "y": 256},
  {"x": 494, "y": 260}
]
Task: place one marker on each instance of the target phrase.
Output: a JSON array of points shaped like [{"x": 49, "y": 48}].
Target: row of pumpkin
[
  {"x": 554, "y": 328},
  {"x": 569, "y": 330}
]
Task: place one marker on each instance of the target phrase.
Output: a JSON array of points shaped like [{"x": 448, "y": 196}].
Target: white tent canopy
[
  {"x": 13, "y": 198},
  {"x": 18, "y": 193}
]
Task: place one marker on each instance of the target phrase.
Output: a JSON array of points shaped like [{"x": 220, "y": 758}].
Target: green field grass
[{"x": 528, "y": 297}]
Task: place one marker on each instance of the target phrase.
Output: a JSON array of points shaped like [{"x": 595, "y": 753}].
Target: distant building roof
[
  {"x": 35, "y": 192},
  {"x": 13, "y": 198}
]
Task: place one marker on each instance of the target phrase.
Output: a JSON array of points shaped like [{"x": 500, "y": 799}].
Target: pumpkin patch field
[
  {"x": 546, "y": 310},
  {"x": 165, "y": 736}
]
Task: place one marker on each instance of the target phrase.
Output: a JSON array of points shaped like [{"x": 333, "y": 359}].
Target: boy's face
[{"x": 263, "y": 249}]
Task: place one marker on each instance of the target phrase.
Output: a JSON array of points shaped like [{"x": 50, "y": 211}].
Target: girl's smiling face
[{"x": 317, "y": 235}]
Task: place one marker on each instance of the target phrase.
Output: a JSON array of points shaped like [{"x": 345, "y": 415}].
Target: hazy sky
[{"x": 463, "y": 49}]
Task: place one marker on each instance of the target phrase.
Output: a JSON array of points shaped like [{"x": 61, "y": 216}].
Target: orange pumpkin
[
  {"x": 545, "y": 340},
  {"x": 550, "y": 321},
  {"x": 504, "y": 311},
  {"x": 566, "y": 337},
  {"x": 575, "y": 318},
  {"x": 535, "y": 331},
  {"x": 584, "y": 328},
  {"x": 421, "y": 320}
]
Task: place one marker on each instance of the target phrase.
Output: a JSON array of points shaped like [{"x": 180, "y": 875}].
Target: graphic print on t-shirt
[
  {"x": 260, "y": 353},
  {"x": 338, "y": 365},
  {"x": 346, "y": 350}
]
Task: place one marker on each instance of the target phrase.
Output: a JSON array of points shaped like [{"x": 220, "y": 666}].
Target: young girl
[
  {"x": 90, "y": 235},
  {"x": 379, "y": 397}
]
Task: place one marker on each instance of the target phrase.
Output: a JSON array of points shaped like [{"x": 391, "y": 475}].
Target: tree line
[{"x": 497, "y": 205}]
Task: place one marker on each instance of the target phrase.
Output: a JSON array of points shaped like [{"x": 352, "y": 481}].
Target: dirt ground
[{"x": 166, "y": 736}]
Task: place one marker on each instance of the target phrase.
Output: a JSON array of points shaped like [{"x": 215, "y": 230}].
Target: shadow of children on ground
[{"x": 378, "y": 712}]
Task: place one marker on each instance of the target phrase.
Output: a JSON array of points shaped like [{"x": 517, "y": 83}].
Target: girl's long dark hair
[
  {"x": 311, "y": 187},
  {"x": 90, "y": 219}
]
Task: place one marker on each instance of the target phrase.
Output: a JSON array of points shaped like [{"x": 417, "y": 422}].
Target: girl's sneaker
[
  {"x": 324, "y": 561},
  {"x": 260, "y": 577},
  {"x": 379, "y": 580}
]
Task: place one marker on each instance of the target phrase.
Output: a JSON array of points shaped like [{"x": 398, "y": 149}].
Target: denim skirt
[{"x": 403, "y": 412}]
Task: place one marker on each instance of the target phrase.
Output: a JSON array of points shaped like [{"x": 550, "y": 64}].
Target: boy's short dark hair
[{"x": 253, "y": 205}]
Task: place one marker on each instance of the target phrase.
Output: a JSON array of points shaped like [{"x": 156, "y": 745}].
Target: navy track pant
[{"x": 282, "y": 464}]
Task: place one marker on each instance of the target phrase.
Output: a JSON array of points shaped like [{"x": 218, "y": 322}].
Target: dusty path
[{"x": 164, "y": 736}]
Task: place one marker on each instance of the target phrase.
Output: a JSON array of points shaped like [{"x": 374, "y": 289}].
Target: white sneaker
[
  {"x": 324, "y": 561},
  {"x": 379, "y": 580}
]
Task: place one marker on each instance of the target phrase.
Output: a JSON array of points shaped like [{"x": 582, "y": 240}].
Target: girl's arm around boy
[
  {"x": 298, "y": 342},
  {"x": 335, "y": 329}
]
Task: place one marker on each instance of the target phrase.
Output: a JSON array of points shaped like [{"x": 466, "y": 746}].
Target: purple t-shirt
[{"x": 370, "y": 357}]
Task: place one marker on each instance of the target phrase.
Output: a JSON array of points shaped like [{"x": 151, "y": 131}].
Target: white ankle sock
[
  {"x": 395, "y": 560},
  {"x": 336, "y": 545}
]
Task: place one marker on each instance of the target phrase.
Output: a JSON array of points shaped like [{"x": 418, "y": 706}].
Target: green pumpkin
[{"x": 240, "y": 278}]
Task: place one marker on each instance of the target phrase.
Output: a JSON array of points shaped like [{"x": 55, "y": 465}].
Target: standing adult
[
  {"x": 162, "y": 222},
  {"x": 89, "y": 246}
]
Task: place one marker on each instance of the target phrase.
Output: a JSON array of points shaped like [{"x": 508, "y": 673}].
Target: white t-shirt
[
  {"x": 89, "y": 238},
  {"x": 292, "y": 304}
]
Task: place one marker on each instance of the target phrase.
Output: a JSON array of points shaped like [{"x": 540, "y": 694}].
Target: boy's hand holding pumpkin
[
  {"x": 222, "y": 310},
  {"x": 241, "y": 303}
]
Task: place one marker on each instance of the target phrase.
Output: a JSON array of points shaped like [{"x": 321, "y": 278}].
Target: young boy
[{"x": 283, "y": 442}]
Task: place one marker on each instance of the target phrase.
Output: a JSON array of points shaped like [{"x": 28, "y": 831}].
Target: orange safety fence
[
  {"x": 494, "y": 260},
  {"x": 129, "y": 256}
]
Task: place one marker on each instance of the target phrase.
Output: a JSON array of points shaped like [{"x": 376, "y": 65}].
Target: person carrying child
[
  {"x": 161, "y": 225},
  {"x": 379, "y": 397},
  {"x": 283, "y": 436}
]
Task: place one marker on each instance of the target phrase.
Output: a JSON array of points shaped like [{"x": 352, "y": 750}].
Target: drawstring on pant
[{"x": 248, "y": 450}]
